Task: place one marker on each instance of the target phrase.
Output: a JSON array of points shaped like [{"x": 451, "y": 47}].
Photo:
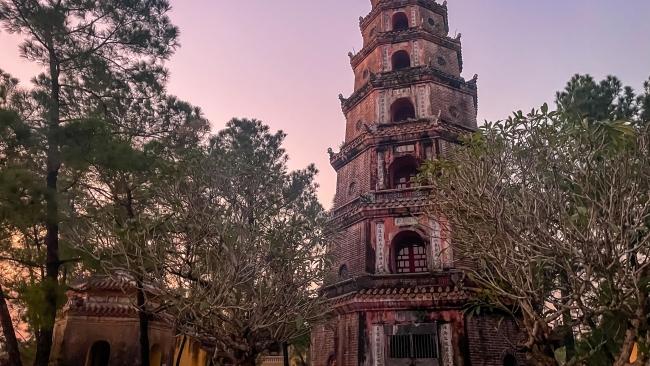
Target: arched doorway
[
  {"x": 410, "y": 253},
  {"x": 510, "y": 360},
  {"x": 403, "y": 172},
  {"x": 401, "y": 60},
  {"x": 400, "y": 21},
  {"x": 402, "y": 110},
  {"x": 331, "y": 361},
  {"x": 99, "y": 354}
]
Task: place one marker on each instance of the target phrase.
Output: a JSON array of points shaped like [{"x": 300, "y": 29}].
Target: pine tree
[
  {"x": 90, "y": 52},
  {"x": 117, "y": 197}
]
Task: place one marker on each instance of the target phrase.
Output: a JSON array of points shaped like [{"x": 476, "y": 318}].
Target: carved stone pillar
[
  {"x": 382, "y": 108},
  {"x": 377, "y": 340},
  {"x": 447, "y": 347},
  {"x": 414, "y": 17},
  {"x": 381, "y": 176},
  {"x": 436, "y": 245},
  {"x": 380, "y": 249},
  {"x": 385, "y": 59},
  {"x": 416, "y": 54}
]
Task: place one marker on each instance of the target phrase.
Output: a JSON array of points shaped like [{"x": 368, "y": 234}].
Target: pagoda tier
[{"x": 396, "y": 295}]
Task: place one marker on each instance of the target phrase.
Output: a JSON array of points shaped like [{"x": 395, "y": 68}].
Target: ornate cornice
[
  {"x": 383, "y": 5},
  {"x": 406, "y": 35},
  {"x": 376, "y": 135},
  {"x": 406, "y": 78},
  {"x": 375, "y": 204},
  {"x": 109, "y": 296},
  {"x": 381, "y": 292}
]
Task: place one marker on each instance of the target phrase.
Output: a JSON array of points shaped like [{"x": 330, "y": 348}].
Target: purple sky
[{"x": 285, "y": 61}]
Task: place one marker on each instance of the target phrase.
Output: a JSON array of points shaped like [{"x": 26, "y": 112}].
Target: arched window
[
  {"x": 99, "y": 354},
  {"x": 400, "y": 21},
  {"x": 401, "y": 60},
  {"x": 402, "y": 110},
  {"x": 403, "y": 172},
  {"x": 352, "y": 189},
  {"x": 510, "y": 360},
  {"x": 410, "y": 253},
  {"x": 344, "y": 274}
]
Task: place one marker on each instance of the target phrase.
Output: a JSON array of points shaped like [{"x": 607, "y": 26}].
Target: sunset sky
[{"x": 285, "y": 61}]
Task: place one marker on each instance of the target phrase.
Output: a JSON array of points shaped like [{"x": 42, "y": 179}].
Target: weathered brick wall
[
  {"x": 371, "y": 64},
  {"x": 337, "y": 339},
  {"x": 442, "y": 58},
  {"x": 348, "y": 328},
  {"x": 438, "y": 26},
  {"x": 455, "y": 105},
  {"x": 323, "y": 343},
  {"x": 491, "y": 338},
  {"x": 373, "y": 28},
  {"x": 363, "y": 113},
  {"x": 351, "y": 250},
  {"x": 354, "y": 179}
]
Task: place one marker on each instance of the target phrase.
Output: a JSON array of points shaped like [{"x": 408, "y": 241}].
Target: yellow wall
[
  {"x": 635, "y": 353},
  {"x": 193, "y": 354},
  {"x": 155, "y": 356}
]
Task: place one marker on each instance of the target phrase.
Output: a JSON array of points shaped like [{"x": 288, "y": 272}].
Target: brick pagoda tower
[{"x": 395, "y": 296}]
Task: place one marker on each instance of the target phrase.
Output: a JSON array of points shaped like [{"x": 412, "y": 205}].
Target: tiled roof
[
  {"x": 121, "y": 282},
  {"x": 403, "y": 297},
  {"x": 107, "y": 296}
]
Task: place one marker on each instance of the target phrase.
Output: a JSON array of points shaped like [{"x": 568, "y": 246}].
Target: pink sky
[{"x": 285, "y": 61}]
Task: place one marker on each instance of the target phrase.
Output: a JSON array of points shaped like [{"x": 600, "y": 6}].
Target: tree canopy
[{"x": 553, "y": 209}]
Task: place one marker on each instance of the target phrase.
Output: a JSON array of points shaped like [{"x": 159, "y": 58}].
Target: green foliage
[
  {"x": 252, "y": 239},
  {"x": 603, "y": 343},
  {"x": 90, "y": 111},
  {"x": 553, "y": 208},
  {"x": 586, "y": 100},
  {"x": 34, "y": 297}
]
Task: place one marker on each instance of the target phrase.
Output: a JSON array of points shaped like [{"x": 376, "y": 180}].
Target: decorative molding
[
  {"x": 386, "y": 5},
  {"x": 407, "y": 78},
  {"x": 394, "y": 37},
  {"x": 406, "y": 221}
]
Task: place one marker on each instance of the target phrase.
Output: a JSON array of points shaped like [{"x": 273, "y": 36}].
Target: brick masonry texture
[{"x": 369, "y": 300}]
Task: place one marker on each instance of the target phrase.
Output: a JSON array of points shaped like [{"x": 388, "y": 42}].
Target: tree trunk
[
  {"x": 143, "y": 316},
  {"x": 52, "y": 266},
  {"x": 9, "y": 332},
  {"x": 567, "y": 319},
  {"x": 285, "y": 353}
]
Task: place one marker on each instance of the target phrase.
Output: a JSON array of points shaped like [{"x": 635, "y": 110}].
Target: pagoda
[{"x": 395, "y": 295}]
